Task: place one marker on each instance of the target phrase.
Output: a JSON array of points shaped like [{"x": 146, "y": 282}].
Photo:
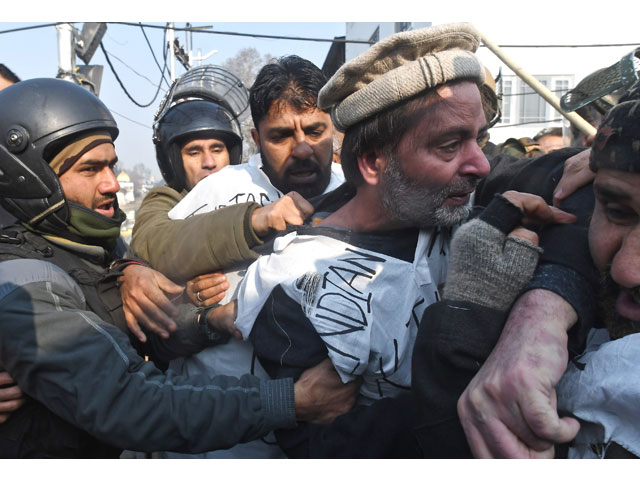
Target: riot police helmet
[
  {"x": 207, "y": 101},
  {"x": 39, "y": 118}
]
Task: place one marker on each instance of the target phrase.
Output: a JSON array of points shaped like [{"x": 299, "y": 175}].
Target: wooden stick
[{"x": 584, "y": 126}]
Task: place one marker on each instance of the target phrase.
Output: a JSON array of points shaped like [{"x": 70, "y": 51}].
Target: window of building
[
  {"x": 560, "y": 87},
  {"x": 521, "y": 104},
  {"x": 402, "y": 26},
  {"x": 507, "y": 88},
  {"x": 532, "y": 107}
]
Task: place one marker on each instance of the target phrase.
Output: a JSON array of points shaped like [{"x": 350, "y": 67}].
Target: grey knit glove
[{"x": 486, "y": 266}]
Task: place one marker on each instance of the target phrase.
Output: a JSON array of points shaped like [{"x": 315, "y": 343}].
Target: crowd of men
[{"x": 419, "y": 299}]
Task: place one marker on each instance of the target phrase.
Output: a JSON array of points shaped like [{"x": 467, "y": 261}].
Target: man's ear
[
  {"x": 256, "y": 138},
  {"x": 372, "y": 166}
]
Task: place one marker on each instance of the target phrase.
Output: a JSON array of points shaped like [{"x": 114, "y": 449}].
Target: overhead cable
[
  {"x": 253, "y": 35},
  {"x": 130, "y": 119},
  {"x": 329, "y": 40},
  {"x": 135, "y": 71},
  {"x": 113, "y": 70},
  {"x": 32, "y": 27},
  {"x": 527, "y": 123},
  {"x": 162, "y": 69}
]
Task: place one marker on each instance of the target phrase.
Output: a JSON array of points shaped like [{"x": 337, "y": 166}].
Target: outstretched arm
[
  {"x": 183, "y": 249},
  {"x": 492, "y": 257},
  {"x": 509, "y": 408}
]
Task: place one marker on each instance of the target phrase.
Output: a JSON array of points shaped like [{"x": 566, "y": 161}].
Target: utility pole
[
  {"x": 186, "y": 58},
  {"x": 199, "y": 57},
  {"x": 66, "y": 53},
  {"x": 71, "y": 42},
  {"x": 172, "y": 58}
]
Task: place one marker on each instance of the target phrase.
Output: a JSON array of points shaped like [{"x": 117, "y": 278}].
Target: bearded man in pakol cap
[{"x": 354, "y": 285}]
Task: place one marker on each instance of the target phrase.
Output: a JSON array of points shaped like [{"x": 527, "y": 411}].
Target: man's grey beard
[{"x": 417, "y": 204}]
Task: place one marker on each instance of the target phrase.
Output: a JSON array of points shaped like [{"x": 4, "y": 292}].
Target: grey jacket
[{"x": 85, "y": 371}]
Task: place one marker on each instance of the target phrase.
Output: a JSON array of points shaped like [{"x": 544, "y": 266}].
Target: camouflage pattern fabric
[{"x": 617, "y": 142}]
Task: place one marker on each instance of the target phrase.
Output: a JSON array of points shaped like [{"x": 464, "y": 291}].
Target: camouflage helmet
[{"x": 617, "y": 142}]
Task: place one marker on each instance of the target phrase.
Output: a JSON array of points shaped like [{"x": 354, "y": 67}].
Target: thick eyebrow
[
  {"x": 280, "y": 130},
  {"x": 96, "y": 163},
  {"x": 611, "y": 193},
  {"x": 313, "y": 126},
  {"x": 286, "y": 130},
  {"x": 193, "y": 148}
]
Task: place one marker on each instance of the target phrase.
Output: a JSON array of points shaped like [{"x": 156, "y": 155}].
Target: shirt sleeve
[
  {"x": 184, "y": 248},
  {"x": 86, "y": 371}
]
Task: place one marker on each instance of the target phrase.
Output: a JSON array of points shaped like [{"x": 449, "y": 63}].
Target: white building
[{"x": 126, "y": 194}]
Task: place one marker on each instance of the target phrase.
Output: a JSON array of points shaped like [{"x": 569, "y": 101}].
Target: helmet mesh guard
[
  {"x": 219, "y": 101},
  {"x": 603, "y": 85}
]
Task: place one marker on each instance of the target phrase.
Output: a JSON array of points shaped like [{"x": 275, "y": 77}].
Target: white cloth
[
  {"x": 231, "y": 185},
  {"x": 604, "y": 395},
  {"x": 366, "y": 306},
  {"x": 237, "y": 184}
]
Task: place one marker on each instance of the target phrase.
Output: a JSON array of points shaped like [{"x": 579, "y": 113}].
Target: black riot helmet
[
  {"x": 38, "y": 118},
  {"x": 207, "y": 101}
]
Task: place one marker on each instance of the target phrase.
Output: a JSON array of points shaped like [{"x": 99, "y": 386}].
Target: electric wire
[
  {"x": 32, "y": 27},
  {"x": 367, "y": 42},
  {"x": 253, "y": 35},
  {"x": 588, "y": 45},
  {"x": 532, "y": 92},
  {"x": 130, "y": 119},
  {"x": 331, "y": 40},
  {"x": 106, "y": 56},
  {"x": 154, "y": 55},
  {"x": 135, "y": 71},
  {"x": 526, "y": 123}
]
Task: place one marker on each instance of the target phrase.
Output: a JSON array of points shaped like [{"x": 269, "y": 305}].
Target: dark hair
[
  {"x": 555, "y": 131},
  {"x": 8, "y": 74},
  {"x": 289, "y": 80},
  {"x": 592, "y": 113}
]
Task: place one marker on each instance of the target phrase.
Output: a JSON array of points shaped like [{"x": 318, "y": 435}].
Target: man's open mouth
[
  {"x": 459, "y": 198},
  {"x": 303, "y": 175},
  {"x": 628, "y": 304},
  {"x": 106, "y": 208}
]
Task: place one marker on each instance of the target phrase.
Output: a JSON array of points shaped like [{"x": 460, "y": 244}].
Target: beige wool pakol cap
[{"x": 399, "y": 67}]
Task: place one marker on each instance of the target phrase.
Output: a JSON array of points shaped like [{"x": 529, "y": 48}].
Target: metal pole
[
  {"x": 172, "y": 58},
  {"x": 66, "y": 53},
  {"x": 584, "y": 126}
]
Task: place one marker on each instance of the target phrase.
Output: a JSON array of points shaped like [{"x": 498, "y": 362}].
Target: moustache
[
  {"x": 302, "y": 164},
  {"x": 464, "y": 184},
  {"x": 105, "y": 198}
]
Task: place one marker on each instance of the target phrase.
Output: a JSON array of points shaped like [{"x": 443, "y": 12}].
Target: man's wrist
[
  {"x": 120, "y": 264},
  {"x": 557, "y": 312},
  {"x": 252, "y": 237},
  {"x": 203, "y": 325}
]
